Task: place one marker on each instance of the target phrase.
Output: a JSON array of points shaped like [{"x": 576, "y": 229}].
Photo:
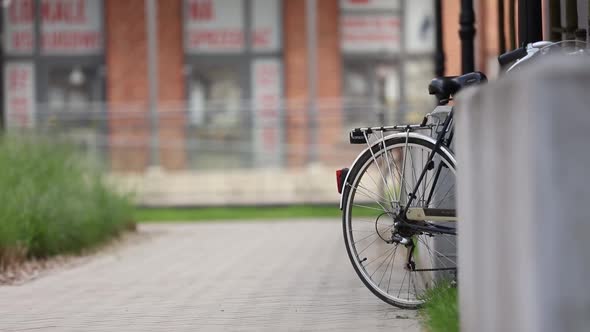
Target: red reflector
[
  {"x": 338, "y": 181},
  {"x": 340, "y": 177}
]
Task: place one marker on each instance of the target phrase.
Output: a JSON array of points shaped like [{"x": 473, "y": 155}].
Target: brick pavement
[{"x": 238, "y": 276}]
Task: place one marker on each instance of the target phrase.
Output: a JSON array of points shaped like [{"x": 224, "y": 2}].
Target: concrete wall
[
  {"x": 315, "y": 185},
  {"x": 523, "y": 156}
]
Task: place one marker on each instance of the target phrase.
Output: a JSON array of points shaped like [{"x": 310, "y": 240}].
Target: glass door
[
  {"x": 219, "y": 115},
  {"x": 72, "y": 104}
]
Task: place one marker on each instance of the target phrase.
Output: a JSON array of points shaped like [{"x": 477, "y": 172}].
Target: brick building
[{"x": 232, "y": 72}]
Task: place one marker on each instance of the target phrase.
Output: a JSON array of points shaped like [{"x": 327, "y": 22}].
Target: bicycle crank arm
[{"x": 426, "y": 214}]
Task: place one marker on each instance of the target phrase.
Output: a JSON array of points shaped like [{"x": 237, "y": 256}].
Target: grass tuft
[
  {"x": 53, "y": 202},
  {"x": 441, "y": 310}
]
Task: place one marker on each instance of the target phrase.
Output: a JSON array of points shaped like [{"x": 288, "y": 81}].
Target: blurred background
[{"x": 233, "y": 102}]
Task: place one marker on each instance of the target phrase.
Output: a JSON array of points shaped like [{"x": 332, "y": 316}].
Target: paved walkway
[{"x": 281, "y": 276}]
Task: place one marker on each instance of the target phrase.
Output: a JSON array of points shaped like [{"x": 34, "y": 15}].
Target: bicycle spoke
[
  {"x": 415, "y": 290},
  {"x": 432, "y": 256},
  {"x": 378, "y": 267},
  {"x": 413, "y": 174},
  {"x": 431, "y": 182},
  {"x": 365, "y": 190},
  {"x": 368, "y": 207},
  {"x": 440, "y": 201},
  {"x": 437, "y": 252},
  {"x": 391, "y": 273},
  {"x": 376, "y": 258},
  {"x": 370, "y": 244},
  {"x": 385, "y": 271},
  {"x": 425, "y": 180},
  {"x": 402, "y": 285},
  {"x": 447, "y": 193},
  {"x": 368, "y": 221},
  {"x": 402, "y": 180},
  {"x": 439, "y": 182},
  {"x": 366, "y": 237},
  {"x": 409, "y": 283},
  {"x": 387, "y": 159},
  {"x": 372, "y": 153}
]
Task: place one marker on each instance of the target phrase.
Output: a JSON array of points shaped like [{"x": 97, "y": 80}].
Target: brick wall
[
  {"x": 329, "y": 76},
  {"x": 295, "y": 62},
  {"x": 451, "y": 41},
  {"x": 126, "y": 86},
  {"x": 486, "y": 36},
  {"x": 171, "y": 88}
]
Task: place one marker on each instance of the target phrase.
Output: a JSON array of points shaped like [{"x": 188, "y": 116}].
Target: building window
[
  {"x": 72, "y": 93},
  {"x": 371, "y": 90},
  {"x": 62, "y": 64},
  {"x": 382, "y": 43},
  {"x": 233, "y": 55},
  {"x": 216, "y": 96}
]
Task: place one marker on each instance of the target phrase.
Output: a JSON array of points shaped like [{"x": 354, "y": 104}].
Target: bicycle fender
[{"x": 443, "y": 150}]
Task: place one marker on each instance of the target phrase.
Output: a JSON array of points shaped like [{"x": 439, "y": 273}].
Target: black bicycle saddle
[{"x": 444, "y": 87}]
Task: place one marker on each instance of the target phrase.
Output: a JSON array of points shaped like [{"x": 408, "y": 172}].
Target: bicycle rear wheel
[{"x": 395, "y": 261}]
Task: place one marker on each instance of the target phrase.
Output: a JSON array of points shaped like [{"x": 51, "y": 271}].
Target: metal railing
[{"x": 242, "y": 154}]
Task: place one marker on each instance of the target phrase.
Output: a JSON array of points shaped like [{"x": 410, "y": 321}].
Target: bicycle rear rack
[
  {"x": 360, "y": 135},
  {"x": 432, "y": 121}
]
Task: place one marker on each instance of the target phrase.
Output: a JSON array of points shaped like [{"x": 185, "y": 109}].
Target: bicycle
[{"x": 398, "y": 197}]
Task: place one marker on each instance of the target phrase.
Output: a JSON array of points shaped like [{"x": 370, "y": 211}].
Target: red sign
[
  {"x": 18, "y": 27},
  {"x": 64, "y": 11},
  {"x": 362, "y": 5},
  {"x": 201, "y": 10},
  {"x": 213, "y": 26},
  {"x": 265, "y": 30},
  {"x": 369, "y": 33},
  {"x": 67, "y": 26},
  {"x": 267, "y": 90},
  {"x": 71, "y": 26},
  {"x": 19, "y": 87}
]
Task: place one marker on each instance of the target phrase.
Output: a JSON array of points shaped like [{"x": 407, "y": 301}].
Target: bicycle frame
[
  {"x": 439, "y": 142},
  {"x": 445, "y": 215}
]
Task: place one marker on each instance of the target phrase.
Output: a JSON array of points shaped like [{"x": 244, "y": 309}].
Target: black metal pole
[
  {"x": 439, "y": 53},
  {"x": 569, "y": 19},
  {"x": 555, "y": 19},
  {"x": 512, "y": 24},
  {"x": 501, "y": 31},
  {"x": 467, "y": 34},
  {"x": 530, "y": 25}
]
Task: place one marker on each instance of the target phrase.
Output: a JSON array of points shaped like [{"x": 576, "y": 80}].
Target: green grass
[
  {"x": 236, "y": 213},
  {"x": 441, "y": 310},
  {"x": 52, "y": 202}
]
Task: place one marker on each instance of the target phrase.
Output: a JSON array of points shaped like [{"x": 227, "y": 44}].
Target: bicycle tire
[{"x": 352, "y": 186}]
